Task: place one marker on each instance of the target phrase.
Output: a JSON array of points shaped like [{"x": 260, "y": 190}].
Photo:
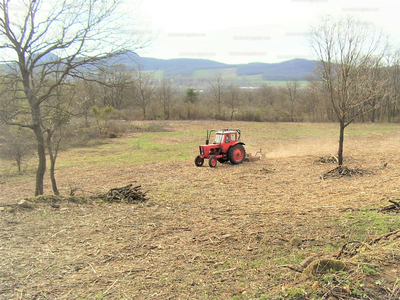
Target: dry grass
[{"x": 222, "y": 233}]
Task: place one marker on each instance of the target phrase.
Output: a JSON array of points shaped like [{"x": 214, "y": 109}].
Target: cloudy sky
[{"x": 251, "y": 30}]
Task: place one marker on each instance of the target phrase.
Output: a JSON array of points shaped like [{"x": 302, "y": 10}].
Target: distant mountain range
[
  {"x": 187, "y": 67},
  {"x": 205, "y": 68}
]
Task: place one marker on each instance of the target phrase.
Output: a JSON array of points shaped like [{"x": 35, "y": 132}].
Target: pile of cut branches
[
  {"x": 342, "y": 171},
  {"x": 128, "y": 194},
  {"x": 331, "y": 159}
]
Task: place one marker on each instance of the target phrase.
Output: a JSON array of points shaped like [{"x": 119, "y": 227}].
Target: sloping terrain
[{"x": 231, "y": 232}]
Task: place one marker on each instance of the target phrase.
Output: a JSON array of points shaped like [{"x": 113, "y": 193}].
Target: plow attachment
[{"x": 254, "y": 157}]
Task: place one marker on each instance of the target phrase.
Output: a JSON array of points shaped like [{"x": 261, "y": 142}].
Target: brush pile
[
  {"x": 126, "y": 194},
  {"x": 342, "y": 171}
]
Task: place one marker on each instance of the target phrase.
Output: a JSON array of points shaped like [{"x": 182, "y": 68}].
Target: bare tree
[
  {"x": 115, "y": 82},
  {"x": 143, "y": 90},
  {"x": 45, "y": 44},
  {"x": 232, "y": 99},
  {"x": 165, "y": 95},
  {"x": 267, "y": 98},
  {"x": 291, "y": 91},
  {"x": 88, "y": 93},
  {"x": 217, "y": 92},
  {"x": 17, "y": 145},
  {"x": 392, "y": 103},
  {"x": 374, "y": 86},
  {"x": 347, "y": 51},
  {"x": 313, "y": 101}
]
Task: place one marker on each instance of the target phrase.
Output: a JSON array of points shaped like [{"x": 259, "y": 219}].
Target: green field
[
  {"x": 230, "y": 75},
  {"x": 175, "y": 144}
]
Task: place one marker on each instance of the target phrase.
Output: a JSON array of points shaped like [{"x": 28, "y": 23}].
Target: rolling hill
[
  {"x": 205, "y": 68},
  {"x": 187, "y": 67}
]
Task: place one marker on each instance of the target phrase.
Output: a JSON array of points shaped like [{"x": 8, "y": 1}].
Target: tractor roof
[{"x": 226, "y": 130}]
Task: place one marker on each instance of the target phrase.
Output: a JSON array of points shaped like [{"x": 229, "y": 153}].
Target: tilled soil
[{"x": 204, "y": 233}]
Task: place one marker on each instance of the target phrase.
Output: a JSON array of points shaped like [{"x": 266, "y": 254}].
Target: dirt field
[{"x": 230, "y": 232}]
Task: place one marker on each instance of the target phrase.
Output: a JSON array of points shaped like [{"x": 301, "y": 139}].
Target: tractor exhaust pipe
[{"x": 207, "y": 139}]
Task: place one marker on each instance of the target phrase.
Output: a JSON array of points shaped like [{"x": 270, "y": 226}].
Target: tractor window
[
  {"x": 227, "y": 139},
  {"x": 218, "y": 139},
  {"x": 233, "y": 137}
]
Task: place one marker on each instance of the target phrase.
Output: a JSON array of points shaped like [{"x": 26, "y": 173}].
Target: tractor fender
[{"x": 238, "y": 143}]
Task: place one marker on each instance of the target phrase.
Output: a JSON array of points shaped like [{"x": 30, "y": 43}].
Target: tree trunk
[
  {"x": 19, "y": 164},
  {"x": 341, "y": 140},
  {"x": 42, "y": 159},
  {"x": 53, "y": 177},
  {"x": 292, "y": 112},
  {"x": 373, "y": 116},
  {"x": 144, "y": 112},
  {"x": 166, "y": 112},
  {"x": 53, "y": 157}
]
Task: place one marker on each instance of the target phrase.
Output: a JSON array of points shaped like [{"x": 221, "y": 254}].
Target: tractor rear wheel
[
  {"x": 198, "y": 161},
  {"x": 212, "y": 161},
  {"x": 237, "y": 154}
]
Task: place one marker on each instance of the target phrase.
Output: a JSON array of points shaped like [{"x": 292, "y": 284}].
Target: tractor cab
[{"x": 225, "y": 137}]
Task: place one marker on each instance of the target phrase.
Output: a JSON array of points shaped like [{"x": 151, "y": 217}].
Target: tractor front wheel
[
  {"x": 212, "y": 161},
  {"x": 236, "y": 154},
  {"x": 198, "y": 161}
]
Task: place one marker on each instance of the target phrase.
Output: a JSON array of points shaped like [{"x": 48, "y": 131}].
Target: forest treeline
[
  {"x": 138, "y": 95},
  {"x": 116, "y": 94}
]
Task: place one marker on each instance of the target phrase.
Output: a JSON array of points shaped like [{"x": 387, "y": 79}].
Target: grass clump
[{"x": 368, "y": 224}]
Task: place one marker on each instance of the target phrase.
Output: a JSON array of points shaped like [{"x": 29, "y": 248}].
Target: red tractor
[{"x": 226, "y": 147}]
